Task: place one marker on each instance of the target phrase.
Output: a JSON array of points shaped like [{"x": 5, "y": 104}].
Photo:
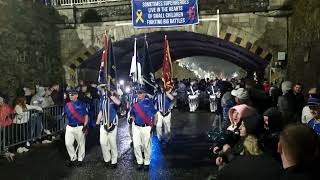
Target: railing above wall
[{"x": 78, "y": 2}]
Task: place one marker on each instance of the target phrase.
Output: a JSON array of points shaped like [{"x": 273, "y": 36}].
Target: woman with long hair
[{"x": 22, "y": 122}]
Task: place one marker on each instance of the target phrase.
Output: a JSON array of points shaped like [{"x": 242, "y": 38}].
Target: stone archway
[{"x": 182, "y": 44}]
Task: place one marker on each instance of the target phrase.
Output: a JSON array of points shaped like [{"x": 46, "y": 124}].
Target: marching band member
[
  {"x": 162, "y": 104},
  {"x": 77, "y": 115},
  {"x": 143, "y": 116},
  {"x": 214, "y": 95},
  {"x": 108, "y": 121},
  {"x": 193, "y": 95}
]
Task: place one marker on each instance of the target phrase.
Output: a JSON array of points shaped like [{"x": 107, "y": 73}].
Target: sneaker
[
  {"x": 46, "y": 142},
  {"x": 20, "y": 150},
  {"x": 28, "y": 144},
  {"x": 46, "y": 131},
  {"x": 9, "y": 156},
  {"x": 25, "y": 149}
]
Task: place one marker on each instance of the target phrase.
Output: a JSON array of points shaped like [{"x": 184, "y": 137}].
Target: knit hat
[
  {"x": 253, "y": 124},
  {"x": 240, "y": 93},
  {"x": 274, "y": 118},
  {"x": 243, "y": 110},
  {"x": 286, "y": 86}
]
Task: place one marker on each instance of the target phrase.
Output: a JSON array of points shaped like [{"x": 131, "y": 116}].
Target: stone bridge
[{"x": 249, "y": 33}]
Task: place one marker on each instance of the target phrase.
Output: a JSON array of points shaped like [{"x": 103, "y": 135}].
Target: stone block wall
[
  {"x": 304, "y": 43},
  {"x": 29, "y": 45}
]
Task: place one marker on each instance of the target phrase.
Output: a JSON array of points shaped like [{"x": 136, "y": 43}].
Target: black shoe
[
  {"x": 113, "y": 166},
  {"x": 106, "y": 164},
  {"x": 131, "y": 144},
  {"x": 79, "y": 163},
  {"x": 72, "y": 163},
  {"x": 146, "y": 167},
  {"x": 139, "y": 167}
]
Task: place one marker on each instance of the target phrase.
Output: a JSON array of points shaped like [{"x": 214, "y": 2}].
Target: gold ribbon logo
[{"x": 139, "y": 16}]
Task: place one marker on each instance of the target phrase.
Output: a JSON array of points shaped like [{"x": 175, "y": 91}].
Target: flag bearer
[
  {"x": 108, "y": 121},
  {"x": 144, "y": 117},
  {"x": 162, "y": 104}
]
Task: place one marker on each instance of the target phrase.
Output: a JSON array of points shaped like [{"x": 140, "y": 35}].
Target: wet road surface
[{"x": 185, "y": 157}]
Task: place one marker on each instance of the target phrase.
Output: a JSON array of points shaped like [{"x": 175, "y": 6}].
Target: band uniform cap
[
  {"x": 73, "y": 91},
  {"x": 140, "y": 89},
  {"x": 313, "y": 101}
]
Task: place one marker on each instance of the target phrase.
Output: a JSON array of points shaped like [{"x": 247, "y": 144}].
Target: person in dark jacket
[
  {"x": 299, "y": 98},
  {"x": 299, "y": 150},
  {"x": 273, "y": 127}
]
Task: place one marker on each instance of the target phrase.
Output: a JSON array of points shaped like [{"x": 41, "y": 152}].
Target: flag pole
[
  {"x": 136, "y": 54},
  {"x": 164, "y": 83},
  {"x": 108, "y": 80}
]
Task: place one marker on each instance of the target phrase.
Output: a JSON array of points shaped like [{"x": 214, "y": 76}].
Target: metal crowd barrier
[
  {"x": 33, "y": 125},
  {"x": 30, "y": 126}
]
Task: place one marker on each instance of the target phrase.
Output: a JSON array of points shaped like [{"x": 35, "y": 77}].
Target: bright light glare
[
  {"x": 127, "y": 89},
  {"x": 235, "y": 75},
  {"x": 121, "y": 82}
]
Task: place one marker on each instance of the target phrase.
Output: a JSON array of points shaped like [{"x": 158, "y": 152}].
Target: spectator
[
  {"x": 299, "y": 150},
  {"x": 253, "y": 164},
  {"x": 57, "y": 94},
  {"x": 266, "y": 86},
  {"x": 5, "y": 114},
  {"x": 259, "y": 99},
  {"x": 286, "y": 102},
  {"x": 299, "y": 98},
  {"x": 241, "y": 96},
  {"x": 252, "y": 124},
  {"x": 5, "y": 121},
  {"x": 21, "y": 121},
  {"x": 273, "y": 127}
]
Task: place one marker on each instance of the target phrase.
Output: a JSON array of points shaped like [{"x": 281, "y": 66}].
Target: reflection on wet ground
[{"x": 185, "y": 157}]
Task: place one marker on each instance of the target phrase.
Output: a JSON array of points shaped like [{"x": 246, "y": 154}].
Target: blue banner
[{"x": 164, "y": 13}]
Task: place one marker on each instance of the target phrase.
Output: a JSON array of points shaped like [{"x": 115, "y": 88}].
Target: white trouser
[
  {"x": 108, "y": 142},
  {"x": 193, "y": 102},
  {"x": 75, "y": 133},
  {"x": 166, "y": 121},
  {"x": 213, "y": 104},
  {"x": 142, "y": 139},
  {"x": 130, "y": 125}
]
